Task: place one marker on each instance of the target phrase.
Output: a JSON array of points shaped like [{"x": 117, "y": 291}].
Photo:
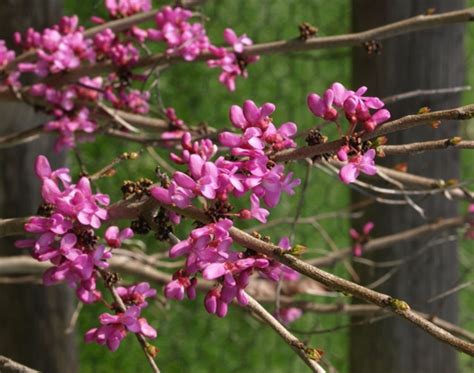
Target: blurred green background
[{"x": 190, "y": 340}]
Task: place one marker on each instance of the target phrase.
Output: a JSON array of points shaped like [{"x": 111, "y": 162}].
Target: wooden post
[
  {"x": 33, "y": 318},
  {"x": 428, "y": 59}
]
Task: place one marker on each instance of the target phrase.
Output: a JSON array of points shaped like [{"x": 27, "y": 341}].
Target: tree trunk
[
  {"x": 33, "y": 318},
  {"x": 422, "y": 60}
]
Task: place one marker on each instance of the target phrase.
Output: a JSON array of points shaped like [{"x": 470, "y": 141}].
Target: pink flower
[
  {"x": 114, "y": 237},
  {"x": 6, "y": 55},
  {"x": 360, "y": 238},
  {"x": 136, "y": 294},
  {"x": 127, "y": 8},
  {"x": 233, "y": 64},
  {"x": 289, "y": 315},
  {"x": 322, "y": 106},
  {"x": 250, "y": 115},
  {"x": 43, "y": 170},
  {"x": 114, "y": 328},
  {"x": 356, "y": 107},
  {"x": 182, "y": 38},
  {"x": 258, "y": 213},
  {"x": 181, "y": 284},
  {"x": 357, "y": 164},
  {"x": 237, "y": 42}
]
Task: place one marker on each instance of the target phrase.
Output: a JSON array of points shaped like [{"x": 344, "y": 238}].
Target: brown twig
[
  {"x": 424, "y": 92},
  {"x": 419, "y": 147},
  {"x": 379, "y": 243},
  {"x": 12, "y": 227},
  {"x": 21, "y": 137},
  {"x": 369, "y": 309},
  {"x": 9, "y": 366},
  {"x": 422, "y": 181},
  {"x": 298, "y": 346}
]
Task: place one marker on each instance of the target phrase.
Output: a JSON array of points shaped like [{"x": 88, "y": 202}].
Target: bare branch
[
  {"x": 419, "y": 147},
  {"x": 12, "y": 227},
  {"x": 298, "y": 346},
  {"x": 369, "y": 309},
  {"x": 424, "y": 92},
  {"x": 379, "y": 243},
  {"x": 9, "y": 366}
]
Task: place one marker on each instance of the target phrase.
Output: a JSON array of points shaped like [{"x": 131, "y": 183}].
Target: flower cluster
[
  {"x": 114, "y": 328},
  {"x": 182, "y": 38},
  {"x": 360, "y": 239},
  {"x": 233, "y": 63},
  {"x": 60, "y": 48},
  {"x": 356, "y": 108},
  {"x": 247, "y": 170},
  {"x": 358, "y": 163},
  {"x": 65, "y": 236},
  {"x": 125, "y": 8},
  {"x": 6, "y": 55}
]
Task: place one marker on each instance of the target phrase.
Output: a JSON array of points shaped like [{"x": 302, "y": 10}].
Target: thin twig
[
  {"x": 74, "y": 318},
  {"x": 379, "y": 243},
  {"x": 424, "y": 92},
  {"x": 298, "y": 346},
  {"x": 419, "y": 147},
  {"x": 9, "y": 366}
]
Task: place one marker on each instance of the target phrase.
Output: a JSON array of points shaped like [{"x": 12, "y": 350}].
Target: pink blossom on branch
[
  {"x": 289, "y": 315},
  {"x": 359, "y": 163},
  {"x": 360, "y": 238},
  {"x": 233, "y": 64},
  {"x": 114, "y": 328},
  {"x": 356, "y": 107},
  {"x": 125, "y": 8}
]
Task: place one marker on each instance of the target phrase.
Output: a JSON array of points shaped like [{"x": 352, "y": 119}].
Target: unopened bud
[
  {"x": 109, "y": 173},
  {"x": 298, "y": 250},
  {"x": 245, "y": 214},
  {"x": 398, "y": 304},
  {"x": 454, "y": 140},
  {"x": 381, "y": 140},
  {"x": 380, "y": 152},
  {"x": 152, "y": 350},
  {"x": 424, "y": 110},
  {"x": 402, "y": 167},
  {"x": 314, "y": 353}
]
